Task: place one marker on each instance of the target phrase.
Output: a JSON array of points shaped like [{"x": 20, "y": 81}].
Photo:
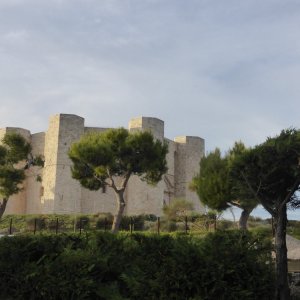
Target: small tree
[
  {"x": 111, "y": 157},
  {"x": 15, "y": 158},
  {"x": 271, "y": 172},
  {"x": 178, "y": 209},
  {"x": 216, "y": 190}
]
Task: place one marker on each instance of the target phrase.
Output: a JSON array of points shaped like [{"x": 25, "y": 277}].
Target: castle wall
[
  {"x": 94, "y": 129},
  {"x": 98, "y": 201},
  {"x": 50, "y": 165},
  {"x": 169, "y": 177},
  {"x": 179, "y": 168},
  {"x": 188, "y": 156},
  {"x": 34, "y": 188},
  {"x": 59, "y": 193},
  {"x": 142, "y": 198},
  {"x": 195, "y": 151}
]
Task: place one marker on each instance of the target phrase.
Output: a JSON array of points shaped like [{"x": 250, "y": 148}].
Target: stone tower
[
  {"x": 190, "y": 150},
  {"x": 140, "y": 196},
  {"x": 62, "y": 194}
]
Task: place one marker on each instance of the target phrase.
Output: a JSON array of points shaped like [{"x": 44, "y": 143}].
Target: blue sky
[{"x": 222, "y": 70}]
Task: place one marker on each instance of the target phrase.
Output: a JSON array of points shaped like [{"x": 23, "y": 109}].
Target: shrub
[
  {"x": 244, "y": 270},
  {"x": 56, "y": 222},
  {"x": 104, "y": 221},
  {"x": 223, "y": 265},
  {"x": 262, "y": 232},
  {"x": 150, "y": 218},
  {"x": 137, "y": 222},
  {"x": 168, "y": 226},
  {"x": 39, "y": 222},
  {"x": 83, "y": 222},
  {"x": 178, "y": 209},
  {"x": 225, "y": 224}
]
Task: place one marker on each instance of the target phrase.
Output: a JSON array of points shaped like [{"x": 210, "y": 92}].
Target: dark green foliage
[
  {"x": 168, "y": 226},
  {"x": 293, "y": 228},
  {"x": 178, "y": 209},
  {"x": 39, "y": 223},
  {"x": 25, "y": 223},
  {"x": 214, "y": 185},
  {"x": 45, "y": 222},
  {"x": 15, "y": 158},
  {"x": 104, "y": 221},
  {"x": 10, "y": 180},
  {"x": 99, "y": 158},
  {"x": 225, "y": 224},
  {"x": 17, "y": 149},
  {"x": 28, "y": 271},
  {"x": 150, "y": 218},
  {"x": 136, "y": 221},
  {"x": 224, "y": 265},
  {"x": 83, "y": 222},
  {"x": 245, "y": 263},
  {"x": 116, "y": 152},
  {"x": 271, "y": 171},
  {"x": 53, "y": 223},
  {"x": 262, "y": 231}
]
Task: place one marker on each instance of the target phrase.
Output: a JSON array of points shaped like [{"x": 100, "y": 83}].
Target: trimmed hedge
[{"x": 223, "y": 265}]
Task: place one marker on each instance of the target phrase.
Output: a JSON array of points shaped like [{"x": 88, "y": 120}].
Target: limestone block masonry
[{"x": 60, "y": 193}]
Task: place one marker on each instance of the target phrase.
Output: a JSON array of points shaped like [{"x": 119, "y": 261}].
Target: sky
[{"x": 221, "y": 70}]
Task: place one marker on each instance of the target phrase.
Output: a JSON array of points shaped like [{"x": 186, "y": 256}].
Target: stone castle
[{"x": 59, "y": 193}]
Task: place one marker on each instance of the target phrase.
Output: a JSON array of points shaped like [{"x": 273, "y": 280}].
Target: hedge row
[{"x": 223, "y": 265}]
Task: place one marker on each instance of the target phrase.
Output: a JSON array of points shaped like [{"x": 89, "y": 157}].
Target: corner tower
[
  {"x": 154, "y": 125},
  {"x": 190, "y": 150},
  {"x": 62, "y": 194},
  {"x": 140, "y": 197}
]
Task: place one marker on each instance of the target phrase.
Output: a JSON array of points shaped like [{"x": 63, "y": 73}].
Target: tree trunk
[
  {"x": 2, "y": 207},
  {"x": 282, "y": 287},
  {"x": 244, "y": 218},
  {"x": 120, "y": 211}
]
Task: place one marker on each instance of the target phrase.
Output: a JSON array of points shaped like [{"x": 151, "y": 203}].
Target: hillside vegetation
[{"x": 102, "y": 221}]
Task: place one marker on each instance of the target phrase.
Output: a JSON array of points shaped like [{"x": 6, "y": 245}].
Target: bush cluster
[
  {"x": 223, "y": 265},
  {"x": 67, "y": 223}
]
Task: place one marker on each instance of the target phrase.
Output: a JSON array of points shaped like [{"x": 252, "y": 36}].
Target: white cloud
[
  {"x": 15, "y": 36},
  {"x": 224, "y": 71}
]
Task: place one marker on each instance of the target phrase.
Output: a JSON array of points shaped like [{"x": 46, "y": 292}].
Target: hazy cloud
[{"x": 221, "y": 70}]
